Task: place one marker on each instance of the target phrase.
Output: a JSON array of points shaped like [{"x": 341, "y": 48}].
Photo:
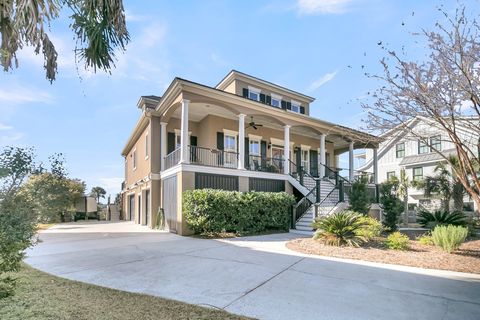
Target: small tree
[
  {"x": 401, "y": 185},
  {"x": 359, "y": 197},
  {"x": 17, "y": 221},
  {"x": 98, "y": 192},
  {"x": 392, "y": 206},
  {"x": 443, "y": 91}
]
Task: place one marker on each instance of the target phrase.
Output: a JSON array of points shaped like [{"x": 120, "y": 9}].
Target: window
[
  {"x": 400, "y": 150},
  {"x": 275, "y": 102},
  {"x": 230, "y": 143},
  {"x": 254, "y": 148},
  {"x": 147, "y": 147},
  {"x": 305, "y": 159},
  {"x": 178, "y": 139},
  {"x": 295, "y": 107},
  {"x": 417, "y": 174},
  {"x": 134, "y": 159},
  {"x": 422, "y": 147},
  {"x": 390, "y": 175},
  {"x": 436, "y": 142},
  {"x": 254, "y": 94}
]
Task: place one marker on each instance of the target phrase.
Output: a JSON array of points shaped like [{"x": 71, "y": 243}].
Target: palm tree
[
  {"x": 98, "y": 192},
  {"x": 446, "y": 185}
]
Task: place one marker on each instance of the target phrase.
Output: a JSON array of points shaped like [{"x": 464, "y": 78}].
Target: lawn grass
[{"x": 41, "y": 296}]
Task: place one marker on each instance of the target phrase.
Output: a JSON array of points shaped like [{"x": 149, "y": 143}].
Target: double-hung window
[
  {"x": 400, "y": 150},
  {"x": 423, "y": 147},
  {"x": 436, "y": 142},
  {"x": 134, "y": 159},
  {"x": 305, "y": 157},
  {"x": 417, "y": 174},
  {"x": 254, "y": 148},
  {"x": 390, "y": 175},
  {"x": 230, "y": 147}
]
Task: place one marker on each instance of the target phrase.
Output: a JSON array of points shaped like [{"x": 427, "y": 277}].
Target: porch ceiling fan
[{"x": 253, "y": 125}]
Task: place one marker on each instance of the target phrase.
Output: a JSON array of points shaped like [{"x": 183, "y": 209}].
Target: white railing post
[{"x": 163, "y": 145}]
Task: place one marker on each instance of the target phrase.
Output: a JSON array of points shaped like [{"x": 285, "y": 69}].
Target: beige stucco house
[{"x": 243, "y": 134}]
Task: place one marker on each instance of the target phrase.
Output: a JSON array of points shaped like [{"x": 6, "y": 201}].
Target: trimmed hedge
[{"x": 216, "y": 211}]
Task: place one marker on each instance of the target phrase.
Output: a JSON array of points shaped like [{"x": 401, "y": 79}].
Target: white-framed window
[
  {"x": 305, "y": 158},
  {"x": 417, "y": 174},
  {"x": 178, "y": 140},
  {"x": 254, "y": 147},
  {"x": 276, "y": 101},
  {"x": 134, "y": 158},
  {"x": 295, "y": 106},
  {"x": 147, "y": 147},
  {"x": 390, "y": 175},
  {"x": 254, "y": 93},
  {"x": 230, "y": 143},
  {"x": 436, "y": 142}
]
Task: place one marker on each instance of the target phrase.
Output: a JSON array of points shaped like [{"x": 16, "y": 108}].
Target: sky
[{"x": 318, "y": 47}]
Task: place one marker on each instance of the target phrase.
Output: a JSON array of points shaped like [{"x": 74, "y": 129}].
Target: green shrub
[
  {"x": 210, "y": 211},
  {"x": 372, "y": 228},
  {"x": 358, "y": 197},
  {"x": 450, "y": 237},
  {"x": 392, "y": 206},
  {"x": 431, "y": 220},
  {"x": 426, "y": 240},
  {"x": 397, "y": 241},
  {"x": 340, "y": 229}
]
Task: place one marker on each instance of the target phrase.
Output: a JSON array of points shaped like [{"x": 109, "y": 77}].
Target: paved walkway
[{"x": 254, "y": 276}]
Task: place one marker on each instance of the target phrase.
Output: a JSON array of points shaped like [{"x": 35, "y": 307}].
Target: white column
[
  {"x": 350, "y": 161},
  {"x": 322, "y": 156},
  {"x": 286, "y": 149},
  {"x": 241, "y": 141},
  {"x": 375, "y": 166},
  {"x": 163, "y": 144},
  {"x": 184, "y": 150}
]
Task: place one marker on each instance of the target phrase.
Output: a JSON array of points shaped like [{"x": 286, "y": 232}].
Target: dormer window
[
  {"x": 253, "y": 93},
  {"x": 276, "y": 101}
]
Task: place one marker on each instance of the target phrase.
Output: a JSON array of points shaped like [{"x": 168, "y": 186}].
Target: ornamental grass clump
[
  {"x": 449, "y": 238},
  {"x": 340, "y": 229},
  {"x": 371, "y": 229}
]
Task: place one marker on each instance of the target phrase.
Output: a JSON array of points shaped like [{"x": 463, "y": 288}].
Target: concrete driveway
[{"x": 254, "y": 276}]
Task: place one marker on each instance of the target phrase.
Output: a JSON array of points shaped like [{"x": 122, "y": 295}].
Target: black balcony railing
[
  {"x": 259, "y": 163},
  {"x": 213, "y": 157}
]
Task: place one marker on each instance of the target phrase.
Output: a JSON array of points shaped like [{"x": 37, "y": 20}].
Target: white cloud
[
  {"x": 323, "y": 6},
  {"x": 20, "y": 94},
  {"x": 11, "y": 138},
  {"x": 4, "y": 127},
  {"x": 132, "y": 17},
  {"x": 321, "y": 81}
]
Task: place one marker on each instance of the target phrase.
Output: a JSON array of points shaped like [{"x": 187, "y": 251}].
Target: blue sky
[{"x": 312, "y": 46}]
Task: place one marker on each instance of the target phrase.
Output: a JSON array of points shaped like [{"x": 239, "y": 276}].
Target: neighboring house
[
  {"x": 403, "y": 149},
  {"x": 243, "y": 134}
]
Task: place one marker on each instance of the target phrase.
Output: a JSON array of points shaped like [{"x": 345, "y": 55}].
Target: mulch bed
[{"x": 466, "y": 259}]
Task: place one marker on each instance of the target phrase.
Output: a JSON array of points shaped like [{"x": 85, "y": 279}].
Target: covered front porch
[{"x": 215, "y": 135}]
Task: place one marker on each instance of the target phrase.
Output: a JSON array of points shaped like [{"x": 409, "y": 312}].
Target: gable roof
[{"x": 232, "y": 75}]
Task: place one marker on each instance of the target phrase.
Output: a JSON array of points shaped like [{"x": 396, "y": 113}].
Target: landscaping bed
[
  {"x": 40, "y": 296},
  {"x": 465, "y": 259}
]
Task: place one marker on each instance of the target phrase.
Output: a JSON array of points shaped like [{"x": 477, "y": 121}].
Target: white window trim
[
  {"x": 147, "y": 146},
  {"x": 178, "y": 133},
  {"x": 254, "y": 137},
  {"x": 280, "y": 142},
  {"x": 230, "y": 132},
  {"x": 276, "y": 96},
  {"x": 259, "y": 147},
  {"x": 278, "y": 147},
  {"x": 305, "y": 147},
  {"x": 134, "y": 155}
]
